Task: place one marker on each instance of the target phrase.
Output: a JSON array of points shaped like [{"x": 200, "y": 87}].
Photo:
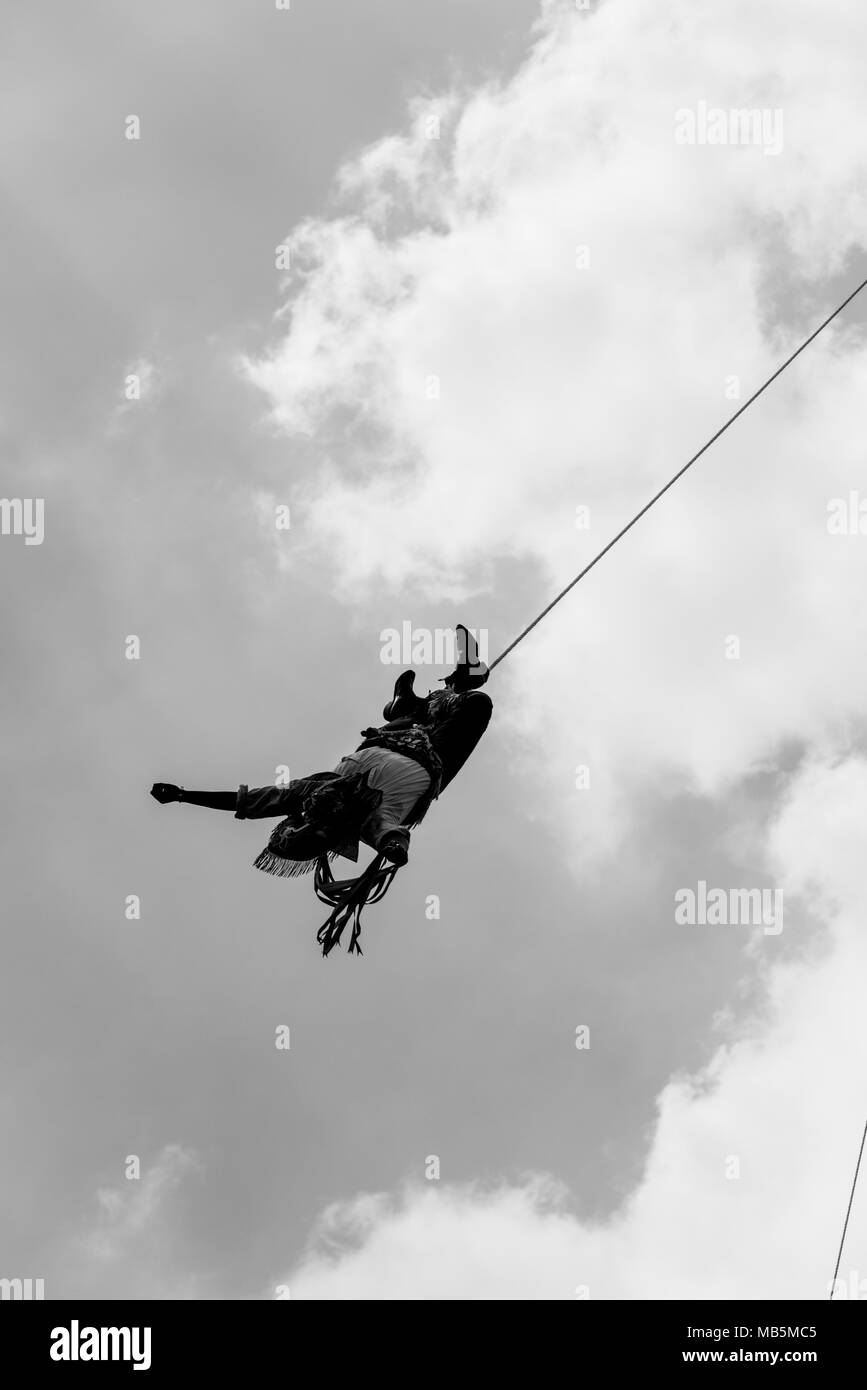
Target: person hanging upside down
[{"x": 378, "y": 793}]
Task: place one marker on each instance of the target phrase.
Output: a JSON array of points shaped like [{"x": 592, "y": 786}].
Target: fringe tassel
[
  {"x": 283, "y": 868},
  {"x": 348, "y": 898}
]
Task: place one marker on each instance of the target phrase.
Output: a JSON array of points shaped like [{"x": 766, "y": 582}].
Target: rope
[
  {"x": 679, "y": 474},
  {"x": 848, "y": 1212}
]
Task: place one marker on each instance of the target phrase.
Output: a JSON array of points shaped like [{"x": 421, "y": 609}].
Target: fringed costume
[{"x": 374, "y": 796}]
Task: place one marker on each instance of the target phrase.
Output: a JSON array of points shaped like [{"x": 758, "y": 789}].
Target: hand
[{"x": 165, "y": 791}]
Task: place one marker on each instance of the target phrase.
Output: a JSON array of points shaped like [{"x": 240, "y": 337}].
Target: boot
[
  {"x": 404, "y": 703},
  {"x": 470, "y": 672}
]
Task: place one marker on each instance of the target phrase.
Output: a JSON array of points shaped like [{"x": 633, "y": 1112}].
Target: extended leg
[{"x": 457, "y": 735}]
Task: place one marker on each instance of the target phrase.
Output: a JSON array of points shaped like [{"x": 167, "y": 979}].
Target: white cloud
[
  {"x": 559, "y": 387},
  {"x": 134, "y": 1247},
  {"x": 126, "y": 1212},
  {"x": 454, "y": 265},
  {"x": 785, "y": 1097}
]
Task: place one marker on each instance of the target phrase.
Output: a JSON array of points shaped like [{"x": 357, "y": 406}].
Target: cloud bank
[
  {"x": 745, "y": 1186},
  {"x": 550, "y": 307}
]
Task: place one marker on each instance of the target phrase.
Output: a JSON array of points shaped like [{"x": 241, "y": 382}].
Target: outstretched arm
[{"x": 218, "y": 801}]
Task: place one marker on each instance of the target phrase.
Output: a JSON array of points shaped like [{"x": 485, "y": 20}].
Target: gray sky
[{"x": 456, "y": 1037}]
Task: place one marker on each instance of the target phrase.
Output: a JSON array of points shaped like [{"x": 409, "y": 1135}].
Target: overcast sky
[{"x": 512, "y": 292}]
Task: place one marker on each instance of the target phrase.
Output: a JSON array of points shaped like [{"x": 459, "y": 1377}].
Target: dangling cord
[{"x": 347, "y": 898}]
